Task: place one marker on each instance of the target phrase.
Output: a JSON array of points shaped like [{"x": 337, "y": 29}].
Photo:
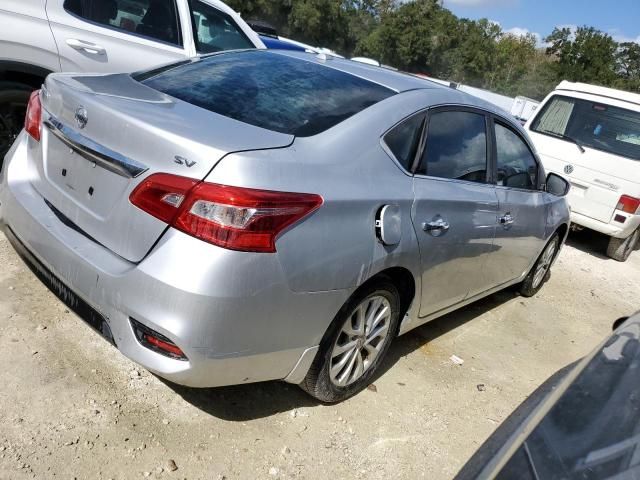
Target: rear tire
[
  {"x": 355, "y": 344},
  {"x": 541, "y": 271},
  {"x": 13, "y": 106},
  {"x": 620, "y": 248}
]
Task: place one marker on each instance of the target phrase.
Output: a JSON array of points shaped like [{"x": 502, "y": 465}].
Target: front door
[
  {"x": 522, "y": 221},
  {"x": 455, "y": 208},
  {"x": 116, "y": 36}
]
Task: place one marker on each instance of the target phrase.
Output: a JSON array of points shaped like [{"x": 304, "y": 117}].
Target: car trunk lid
[{"x": 102, "y": 135}]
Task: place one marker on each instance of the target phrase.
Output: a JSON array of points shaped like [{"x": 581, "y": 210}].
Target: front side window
[
  {"x": 215, "y": 31},
  {"x": 516, "y": 165},
  {"x": 595, "y": 125},
  {"x": 157, "y": 19},
  {"x": 403, "y": 140},
  {"x": 456, "y": 147}
]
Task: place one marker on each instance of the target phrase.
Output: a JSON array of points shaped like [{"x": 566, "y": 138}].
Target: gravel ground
[{"x": 72, "y": 407}]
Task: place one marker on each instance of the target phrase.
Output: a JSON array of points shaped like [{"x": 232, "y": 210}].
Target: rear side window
[
  {"x": 157, "y": 19},
  {"x": 456, "y": 147},
  {"x": 270, "y": 90},
  {"x": 517, "y": 168},
  {"x": 403, "y": 140},
  {"x": 216, "y": 31}
]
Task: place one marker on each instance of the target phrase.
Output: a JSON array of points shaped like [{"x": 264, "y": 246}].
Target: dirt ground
[{"x": 71, "y": 406}]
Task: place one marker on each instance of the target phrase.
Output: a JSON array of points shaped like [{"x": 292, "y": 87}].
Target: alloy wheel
[
  {"x": 544, "y": 264},
  {"x": 360, "y": 340}
]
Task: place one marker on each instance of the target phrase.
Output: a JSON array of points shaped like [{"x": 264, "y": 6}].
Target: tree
[
  {"x": 588, "y": 55},
  {"x": 421, "y": 36},
  {"x": 514, "y": 54},
  {"x": 412, "y": 36}
]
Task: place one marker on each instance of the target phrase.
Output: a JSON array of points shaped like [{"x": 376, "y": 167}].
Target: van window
[
  {"x": 270, "y": 90},
  {"x": 591, "y": 124}
]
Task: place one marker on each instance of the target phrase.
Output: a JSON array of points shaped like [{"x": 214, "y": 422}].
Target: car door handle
[
  {"x": 439, "y": 225},
  {"x": 88, "y": 47},
  {"x": 507, "y": 219}
]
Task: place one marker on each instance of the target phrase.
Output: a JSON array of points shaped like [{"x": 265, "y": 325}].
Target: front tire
[
  {"x": 620, "y": 248},
  {"x": 541, "y": 271},
  {"x": 356, "y": 343}
]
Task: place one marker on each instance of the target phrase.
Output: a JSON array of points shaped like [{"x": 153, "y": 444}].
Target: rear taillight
[
  {"x": 162, "y": 194},
  {"x": 628, "y": 204},
  {"x": 236, "y": 218},
  {"x": 32, "y": 120}
]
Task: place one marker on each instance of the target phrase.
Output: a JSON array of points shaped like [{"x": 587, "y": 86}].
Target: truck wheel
[
  {"x": 13, "y": 106},
  {"x": 620, "y": 248},
  {"x": 355, "y": 344}
]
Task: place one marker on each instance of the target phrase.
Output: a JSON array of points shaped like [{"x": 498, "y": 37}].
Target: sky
[{"x": 619, "y": 18}]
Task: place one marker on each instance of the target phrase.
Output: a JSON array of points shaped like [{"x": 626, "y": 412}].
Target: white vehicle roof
[
  {"x": 599, "y": 91},
  {"x": 368, "y": 61}
]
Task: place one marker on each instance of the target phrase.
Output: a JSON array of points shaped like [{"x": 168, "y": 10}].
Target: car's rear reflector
[
  {"x": 32, "y": 120},
  {"x": 157, "y": 342},
  {"x": 628, "y": 204},
  {"x": 235, "y": 218}
]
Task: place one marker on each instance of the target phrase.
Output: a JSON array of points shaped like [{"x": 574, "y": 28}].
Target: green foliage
[{"x": 421, "y": 36}]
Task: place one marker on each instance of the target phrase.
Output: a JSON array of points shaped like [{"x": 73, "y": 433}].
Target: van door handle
[
  {"x": 88, "y": 47},
  {"x": 436, "y": 227},
  {"x": 506, "y": 220}
]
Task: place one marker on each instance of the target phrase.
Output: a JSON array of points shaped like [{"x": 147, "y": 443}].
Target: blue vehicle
[{"x": 278, "y": 44}]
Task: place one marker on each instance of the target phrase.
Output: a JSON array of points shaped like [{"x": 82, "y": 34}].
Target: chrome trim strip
[{"x": 94, "y": 152}]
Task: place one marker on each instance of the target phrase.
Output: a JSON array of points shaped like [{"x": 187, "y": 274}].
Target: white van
[{"x": 591, "y": 136}]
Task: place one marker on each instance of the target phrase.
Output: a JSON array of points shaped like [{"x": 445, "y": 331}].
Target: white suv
[
  {"x": 591, "y": 135},
  {"x": 38, "y": 37}
]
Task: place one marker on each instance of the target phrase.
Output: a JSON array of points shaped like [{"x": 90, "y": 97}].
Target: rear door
[
  {"x": 455, "y": 208},
  {"x": 605, "y": 166},
  {"x": 118, "y": 35},
  {"x": 521, "y": 230}
]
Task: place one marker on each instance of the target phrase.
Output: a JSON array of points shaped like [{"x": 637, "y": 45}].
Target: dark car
[{"x": 584, "y": 423}]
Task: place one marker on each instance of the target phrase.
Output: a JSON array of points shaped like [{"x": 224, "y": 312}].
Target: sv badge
[{"x": 183, "y": 161}]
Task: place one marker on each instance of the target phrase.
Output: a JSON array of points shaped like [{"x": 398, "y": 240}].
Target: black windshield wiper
[{"x": 566, "y": 137}]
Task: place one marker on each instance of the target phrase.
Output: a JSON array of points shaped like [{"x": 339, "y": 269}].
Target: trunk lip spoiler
[{"x": 94, "y": 152}]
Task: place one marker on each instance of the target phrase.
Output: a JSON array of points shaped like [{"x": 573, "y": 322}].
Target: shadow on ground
[
  {"x": 258, "y": 400},
  {"x": 590, "y": 242}
]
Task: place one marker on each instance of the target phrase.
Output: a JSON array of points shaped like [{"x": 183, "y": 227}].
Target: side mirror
[{"x": 556, "y": 185}]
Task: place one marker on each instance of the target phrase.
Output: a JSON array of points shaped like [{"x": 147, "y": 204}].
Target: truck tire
[
  {"x": 620, "y": 248},
  {"x": 13, "y": 106}
]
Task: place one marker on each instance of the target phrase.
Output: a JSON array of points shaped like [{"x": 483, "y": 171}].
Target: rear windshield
[
  {"x": 591, "y": 124},
  {"x": 270, "y": 90}
]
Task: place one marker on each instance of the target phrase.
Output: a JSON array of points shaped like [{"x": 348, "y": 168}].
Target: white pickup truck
[
  {"x": 38, "y": 37},
  {"x": 591, "y": 136}
]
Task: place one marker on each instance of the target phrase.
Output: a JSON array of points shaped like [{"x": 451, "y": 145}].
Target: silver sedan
[{"x": 252, "y": 215}]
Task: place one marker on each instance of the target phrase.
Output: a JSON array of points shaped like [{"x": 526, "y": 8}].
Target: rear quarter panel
[{"x": 336, "y": 247}]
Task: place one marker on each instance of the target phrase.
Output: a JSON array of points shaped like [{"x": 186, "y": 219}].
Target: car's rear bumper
[
  {"x": 231, "y": 313},
  {"x": 613, "y": 229}
]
